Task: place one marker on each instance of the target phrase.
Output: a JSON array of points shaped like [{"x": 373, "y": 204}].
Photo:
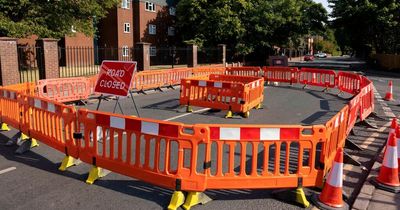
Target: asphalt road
[{"x": 35, "y": 183}]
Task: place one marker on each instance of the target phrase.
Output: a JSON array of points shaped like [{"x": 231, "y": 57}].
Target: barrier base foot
[
  {"x": 376, "y": 116},
  {"x": 293, "y": 196},
  {"x": 178, "y": 198},
  {"x": 349, "y": 144},
  {"x": 315, "y": 200},
  {"x": 142, "y": 91},
  {"x": 26, "y": 145},
  {"x": 245, "y": 114},
  {"x": 349, "y": 160},
  {"x": 259, "y": 106},
  {"x": 229, "y": 114},
  {"x": 67, "y": 162},
  {"x": 189, "y": 109},
  {"x": 4, "y": 127},
  {"x": 158, "y": 89},
  {"x": 195, "y": 198},
  {"x": 368, "y": 124},
  {"x": 95, "y": 174},
  {"x": 171, "y": 87},
  {"x": 377, "y": 184}
]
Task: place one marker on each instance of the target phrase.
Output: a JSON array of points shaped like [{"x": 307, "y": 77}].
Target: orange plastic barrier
[
  {"x": 317, "y": 77},
  {"x": 233, "y": 93},
  {"x": 175, "y": 75},
  {"x": 253, "y": 71},
  {"x": 11, "y": 107},
  {"x": 263, "y": 156},
  {"x": 151, "y": 79},
  {"x": 354, "y": 111},
  {"x": 202, "y": 71},
  {"x": 51, "y": 122},
  {"x": 64, "y": 89},
  {"x": 25, "y": 88},
  {"x": 150, "y": 150},
  {"x": 367, "y": 105},
  {"x": 280, "y": 74},
  {"x": 336, "y": 130},
  {"x": 92, "y": 83},
  {"x": 349, "y": 82}
]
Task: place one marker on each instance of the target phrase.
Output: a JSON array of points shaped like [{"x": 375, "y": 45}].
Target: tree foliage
[
  {"x": 362, "y": 24},
  {"x": 248, "y": 25},
  {"x": 50, "y": 18}
]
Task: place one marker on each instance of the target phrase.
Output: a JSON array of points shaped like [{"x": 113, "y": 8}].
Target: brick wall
[
  {"x": 9, "y": 61},
  {"x": 50, "y": 55}
]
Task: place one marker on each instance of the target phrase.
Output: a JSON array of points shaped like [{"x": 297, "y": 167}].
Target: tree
[
  {"x": 248, "y": 25},
  {"x": 367, "y": 24},
  {"x": 51, "y": 18}
]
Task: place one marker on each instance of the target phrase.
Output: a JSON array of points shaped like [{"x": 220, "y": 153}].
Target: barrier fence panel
[
  {"x": 11, "y": 108},
  {"x": 225, "y": 92},
  {"x": 157, "y": 152},
  {"x": 367, "y": 99},
  {"x": 336, "y": 131},
  {"x": 52, "y": 123},
  {"x": 175, "y": 75},
  {"x": 254, "y": 71},
  {"x": 317, "y": 77},
  {"x": 349, "y": 82},
  {"x": 202, "y": 71},
  {"x": 64, "y": 89},
  {"x": 151, "y": 79},
  {"x": 263, "y": 156},
  {"x": 354, "y": 110},
  {"x": 280, "y": 74}
]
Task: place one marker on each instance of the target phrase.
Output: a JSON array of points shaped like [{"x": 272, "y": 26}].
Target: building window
[
  {"x": 125, "y": 51},
  {"x": 126, "y": 4},
  {"x": 171, "y": 31},
  {"x": 150, "y": 6},
  {"x": 127, "y": 27},
  {"x": 172, "y": 11},
  {"x": 153, "y": 51},
  {"x": 152, "y": 29}
]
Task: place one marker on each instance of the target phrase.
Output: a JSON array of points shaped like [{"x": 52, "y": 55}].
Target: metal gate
[{"x": 30, "y": 63}]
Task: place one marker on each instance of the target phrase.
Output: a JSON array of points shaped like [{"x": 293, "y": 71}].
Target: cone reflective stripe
[
  {"x": 331, "y": 194},
  {"x": 389, "y": 93},
  {"x": 388, "y": 174}
]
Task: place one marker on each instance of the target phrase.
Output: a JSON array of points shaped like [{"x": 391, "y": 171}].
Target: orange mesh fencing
[
  {"x": 317, "y": 77},
  {"x": 263, "y": 156},
  {"x": 253, "y": 71},
  {"x": 153, "y": 151},
  {"x": 280, "y": 74},
  {"x": 225, "y": 92},
  {"x": 64, "y": 89}
]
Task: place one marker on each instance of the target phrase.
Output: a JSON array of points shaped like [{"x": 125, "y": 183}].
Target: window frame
[
  {"x": 152, "y": 29},
  {"x": 153, "y": 51},
  {"x": 150, "y": 6},
  {"x": 127, "y": 5},
  {"x": 127, "y": 26},
  {"x": 125, "y": 51},
  {"x": 172, "y": 9}
]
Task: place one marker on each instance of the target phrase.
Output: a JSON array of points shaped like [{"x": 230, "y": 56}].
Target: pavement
[{"x": 32, "y": 180}]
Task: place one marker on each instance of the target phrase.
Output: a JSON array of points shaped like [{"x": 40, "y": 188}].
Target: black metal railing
[
  {"x": 84, "y": 61},
  {"x": 30, "y": 63}
]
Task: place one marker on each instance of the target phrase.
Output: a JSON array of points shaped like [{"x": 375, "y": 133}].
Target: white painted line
[
  {"x": 186, "y": 114},
  {"x": 7, "y": 170}
]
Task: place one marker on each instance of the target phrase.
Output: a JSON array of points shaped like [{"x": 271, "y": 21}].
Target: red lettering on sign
[{"x": 115, "y": 77}]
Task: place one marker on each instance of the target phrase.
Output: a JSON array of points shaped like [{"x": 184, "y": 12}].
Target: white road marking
[
  {"x": 7, "y": 170},
  {"x": 186, "y": 114}
]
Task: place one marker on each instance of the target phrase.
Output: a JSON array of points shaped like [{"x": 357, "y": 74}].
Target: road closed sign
[{"x": 115, "y": 77}]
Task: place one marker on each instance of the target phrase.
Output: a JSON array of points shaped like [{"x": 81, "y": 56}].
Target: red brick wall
[
  {"x": 50, "y": 50},
  {"x": 125, "y": 39},
  {"x": 9, "y": 61}
]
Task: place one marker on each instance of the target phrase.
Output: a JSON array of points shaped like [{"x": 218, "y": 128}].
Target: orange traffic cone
[
  {"x": 389, "y": 93},
  {"x": 393, "y": 127},
  {"x": 388, "y": 178},
  {"x": 331, "y": 196}
]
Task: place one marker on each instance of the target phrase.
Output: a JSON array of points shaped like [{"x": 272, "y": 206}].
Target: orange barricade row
[
  {"x": 64, "y": 89},
  {"x": 253, "y": 71},
  {"x": 233, "y": 93},
  {"x": 264, "y": 156},
  {"x": 280, "y": 74},
  {"x": 202, "y": 71},
  {"x": 336, "y": 131},
  {"x": 51, "y": 122},
  {"x": 25, "y": 88},
  {"x": 175, "y": 75},
  {"x": 151, "y": 79},
  {"x": 317, "y": 77},
  {"x": 367, "y": 99},
  {"x": 11, "y": 107},
  {"x": 354, "y": 111},
  {"x": 150, "y": 150},
  {"x": 349, "y": 82}
]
